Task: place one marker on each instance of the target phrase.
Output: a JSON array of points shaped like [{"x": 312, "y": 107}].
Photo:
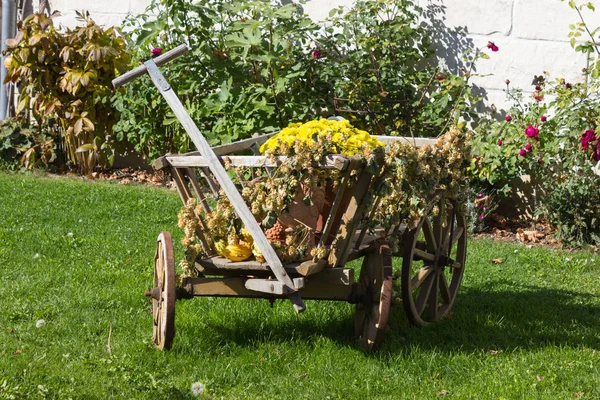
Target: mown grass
[{"x": 79, "y": 256}]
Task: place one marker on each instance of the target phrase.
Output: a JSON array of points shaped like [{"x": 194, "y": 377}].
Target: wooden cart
[{"x": 433, "y": 253}]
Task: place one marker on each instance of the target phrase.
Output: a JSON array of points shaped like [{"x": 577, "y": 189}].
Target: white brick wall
[{"x": 531, "y": 34}]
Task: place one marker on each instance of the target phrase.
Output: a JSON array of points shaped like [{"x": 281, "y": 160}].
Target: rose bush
[{"x": 550, "y": 134}]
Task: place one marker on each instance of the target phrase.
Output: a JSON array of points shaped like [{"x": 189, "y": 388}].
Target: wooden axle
[{"x": 329, "y": 284}]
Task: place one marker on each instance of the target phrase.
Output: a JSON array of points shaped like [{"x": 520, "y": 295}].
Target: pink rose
[
  {"x": 588, "y": 136},
  {"x": 492, "y": 46}
]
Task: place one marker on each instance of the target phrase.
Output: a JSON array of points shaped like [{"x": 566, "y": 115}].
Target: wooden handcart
[{"x": 433, "y": 253}]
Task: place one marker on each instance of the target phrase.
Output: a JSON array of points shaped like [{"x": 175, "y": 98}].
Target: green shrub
[
  {"x": 249, "y": 70},
  {"x": 380, "y": 66},
  {"x": 67, "y": 76},
  {"x": 556, "y": 141},
  {"x": 25, "y": 147},
  {"x": 256, "y": 66}
]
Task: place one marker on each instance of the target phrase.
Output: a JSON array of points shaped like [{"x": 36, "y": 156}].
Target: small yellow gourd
[
  {"x": 220, "y": 247},
  {"x": 237, "y": 252}
]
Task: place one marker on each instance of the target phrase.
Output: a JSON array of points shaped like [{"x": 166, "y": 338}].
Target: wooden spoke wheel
[
  {"x": 163, "y": 293},
  {"x": 433, "y": 262},
  {"x": 375, "y": 289}
]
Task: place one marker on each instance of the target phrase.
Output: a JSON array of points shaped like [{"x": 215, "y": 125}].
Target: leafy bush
[
  {"x": 249, "y": 71},
  {"x": 24, "y": 147},
  {"x": 256, "y": 66},
  {"x": 556, "y": 142},
  {"x": 382, "y": 73},
  {"x": 67, "y": 76}
]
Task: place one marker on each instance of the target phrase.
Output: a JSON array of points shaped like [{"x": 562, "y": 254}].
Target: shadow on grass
[{"x": 528, "y": 317}]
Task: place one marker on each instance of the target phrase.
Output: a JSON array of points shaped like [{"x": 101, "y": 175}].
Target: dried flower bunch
[
  {"x": 288, "y": 199},
  {"x": 411, "y": 176}
]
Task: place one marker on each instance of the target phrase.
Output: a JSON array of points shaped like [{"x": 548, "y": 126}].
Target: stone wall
[{"x": 531, "y": 34}]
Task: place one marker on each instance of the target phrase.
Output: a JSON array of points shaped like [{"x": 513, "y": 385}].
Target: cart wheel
[
  {"x": 375, "y": 286},
  {"x": 163, "y": 293},
  {"x": 433, "y": 263}
]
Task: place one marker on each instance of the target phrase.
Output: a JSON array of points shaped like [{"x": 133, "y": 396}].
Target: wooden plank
[
  {"x": 227, "y": 185},
  {"x": 334, "y": 208},
  {"x": 351, "y": 219},
  {"x": 299, "y": 283},
  {"x": 222, "y": 266},
  {"x": 333, "y": 276},
  {"x": 323, "y": 291},
  {"x": 221, "y": 287},
  {"x": 242, "y": 145},
  {"x": 218, "y": 264},
  {"x": 182, "y": 187},
  {"x": 161, "y": 163},
  {"x": 267, "y": 286},
  {"x": 310, "y": 267},
  {"x": 356, "y": 253},
  {"x": 417, "y": 142},
  {"x": 197, "y": 189},
  {"x": 338, "y": 162},
  {"x": 235, "y": 287}
]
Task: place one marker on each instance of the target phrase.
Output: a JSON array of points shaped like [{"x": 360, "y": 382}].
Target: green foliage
[
  {"x": 256, "y": 66},
  {"x": 249, "y": 71},
  {"x": 67, "y": 76},
  {"x": 560, "y": 160},
  {"x": 24, "y": 147},
  {"x": 379, "y": 64}
]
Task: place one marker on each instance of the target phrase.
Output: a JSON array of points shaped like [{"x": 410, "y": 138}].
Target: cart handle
[{"x": 141, "y": 70}]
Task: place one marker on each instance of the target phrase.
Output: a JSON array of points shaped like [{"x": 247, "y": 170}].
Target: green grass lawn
[{"x": 79, "y": 255}]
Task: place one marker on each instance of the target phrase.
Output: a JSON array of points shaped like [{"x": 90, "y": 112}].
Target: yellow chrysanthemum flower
[{"x": 341, "y": 136}]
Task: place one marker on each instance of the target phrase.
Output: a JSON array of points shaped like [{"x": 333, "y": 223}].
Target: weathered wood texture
[
  {"x": 417, "y": 142},
  {"x": 225, "y": 182},
  {"x": 330, "y": 162},
  {"x": 185, "y": 194},
  {"x": 330, "y": 284},
  {"x": 351, "y": 219},
  {"x": 222, "y": 266},
  {"x": 141, "y": 70},
  {"x": 163, "y": 303}
]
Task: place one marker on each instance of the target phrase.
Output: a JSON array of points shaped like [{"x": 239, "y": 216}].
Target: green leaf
[
  {"x": 78, "y": 126},
  {"x": 84, "y": 147},
  {"x": 269, "y": 220},
  {"x": 224, "y": 90}
]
